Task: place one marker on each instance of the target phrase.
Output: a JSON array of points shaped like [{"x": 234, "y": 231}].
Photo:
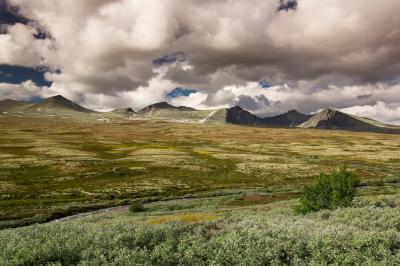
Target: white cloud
[
  {"x": 24, "y": 91},
  {"x": 195, "y": 100},
  {"x": 380, "y": 111},
  {"x": 19, "y": 47}
]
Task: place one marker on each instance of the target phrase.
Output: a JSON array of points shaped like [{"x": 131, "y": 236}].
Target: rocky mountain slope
[
  {"x": 330, "y": 118},
  {"x": 238, "y": 116},
  {"x": 292, "y": 118}
]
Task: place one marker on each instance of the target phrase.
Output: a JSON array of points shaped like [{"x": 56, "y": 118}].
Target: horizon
[
  {"x": 138, "y": 110},
  {"x": 298, "y": 55}
]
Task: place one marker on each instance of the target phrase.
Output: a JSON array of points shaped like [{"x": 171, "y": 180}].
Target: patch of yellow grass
[
  {"x": 7, "y": 187},
  {"x": 183, "y": 218}
]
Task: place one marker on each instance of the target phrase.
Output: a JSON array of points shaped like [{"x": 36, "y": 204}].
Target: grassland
[
  {"x": 213, "y": 194},
  {"x": 52, "y": 166}
]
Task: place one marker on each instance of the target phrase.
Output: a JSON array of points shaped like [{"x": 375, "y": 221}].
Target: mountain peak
[
  {"x": 236, "y": 107},
  {"x": 328, "y": 113},
  {"x": 59, "y": 101},
  {"x": 57, "y": 97},
  {"x": 290, "y": 119},
  {"x": 237, "y": 115},
  {"x": 164, "y": 106},
  {"x": 330, "y": 118},
  {"x": 329, "y": 109},
  {"x": 293, "y": 111}
]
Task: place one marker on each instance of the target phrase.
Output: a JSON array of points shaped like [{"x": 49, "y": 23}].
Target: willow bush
[{"x": 330, "y": 191}]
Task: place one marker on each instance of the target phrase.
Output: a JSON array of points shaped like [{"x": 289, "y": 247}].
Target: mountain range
[{"x": 328, "y": 118}]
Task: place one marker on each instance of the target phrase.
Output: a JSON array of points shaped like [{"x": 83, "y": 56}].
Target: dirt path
[{"x": 119, "y": 209}]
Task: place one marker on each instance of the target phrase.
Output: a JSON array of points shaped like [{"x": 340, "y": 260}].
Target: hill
[
  {"x": 330, "y": 118},
  {"x": 292, "y": 118},
  {"x": 12, "y": 105},
  {"x": 155, "y": 109},
  {"x": 58, "y": 103},
  {"x": 124, "y": 111},
  {"x": 183, "y": 113},
  {"x": 238, "y": 116}
]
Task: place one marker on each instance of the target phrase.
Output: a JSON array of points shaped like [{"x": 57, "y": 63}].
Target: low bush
[
  {"x": 330, "y": 191},
  {"x": 350, "y": 236},
  {"x": 136, "y": 206}
]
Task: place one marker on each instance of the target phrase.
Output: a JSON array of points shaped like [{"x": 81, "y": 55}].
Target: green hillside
[{"x": 12, "y": 106}]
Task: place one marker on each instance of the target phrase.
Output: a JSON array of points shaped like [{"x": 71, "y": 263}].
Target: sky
[{"x": 268, "y": 56}]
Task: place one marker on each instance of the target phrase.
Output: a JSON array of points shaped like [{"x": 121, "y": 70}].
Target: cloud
[
  {"x": 195, "y": 100},
  {"x": 252, "y": 103},
  {"x": 9, "y": 15},
  {"x": 113, "y": 50},
  {"x": 24, "y": 91},
  {"x": 19, "y": 47},
  {"x": 286, "y": 5},
  {"x": 379, "y": 111}
]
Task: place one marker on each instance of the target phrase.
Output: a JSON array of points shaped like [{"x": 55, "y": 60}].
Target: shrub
[
  {"x": 136, "y": 206},
  {"x": 330, "y": 192}
]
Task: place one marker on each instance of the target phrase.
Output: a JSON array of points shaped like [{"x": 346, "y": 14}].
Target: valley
[
  {"x": 53, "y": 166},
  {"x": 210, "y": 184}
]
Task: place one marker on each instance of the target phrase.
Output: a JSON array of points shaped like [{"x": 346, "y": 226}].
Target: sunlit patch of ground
[{"x": 183, "y": 218}]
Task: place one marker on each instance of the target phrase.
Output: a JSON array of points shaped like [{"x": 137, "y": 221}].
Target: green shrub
[
  {"x": 330, "y": 192},
  {"x": 136, "y": 206}
]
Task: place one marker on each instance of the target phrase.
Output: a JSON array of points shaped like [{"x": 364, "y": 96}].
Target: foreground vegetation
[
  {"x": 366, "y": 234},
  {"x": 56, "y": 166},
  {"x": 330, "y": 191}
]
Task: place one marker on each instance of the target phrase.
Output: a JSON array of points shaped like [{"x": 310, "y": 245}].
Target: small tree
[
  {"x": 136, "y": 206},
  {"x": 330, "y": 191}
]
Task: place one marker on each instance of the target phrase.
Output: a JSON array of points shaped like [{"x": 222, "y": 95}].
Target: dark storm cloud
[
  {"x": 252, "y": 103},
  {"x": 364, "y": 96},
  {"x": 286, "y": 5},
  {"x": 122, "y": 51},
  {"x": 9, "y": 14}
]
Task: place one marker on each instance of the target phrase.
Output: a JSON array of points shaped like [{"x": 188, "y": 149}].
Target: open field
[{"x": 51, "y": 167}]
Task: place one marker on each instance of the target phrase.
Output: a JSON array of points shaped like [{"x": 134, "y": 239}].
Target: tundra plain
[{"x": 52, "y": 167}]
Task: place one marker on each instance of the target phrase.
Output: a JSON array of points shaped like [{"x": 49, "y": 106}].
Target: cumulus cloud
[
  {"x": 195, "y": 100},
  {"x": 380, "y": 111},
  {"x": 24, "y": 91},
  {"x": 107, "y": 53},
  {"x": 19, "y": 47}
]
